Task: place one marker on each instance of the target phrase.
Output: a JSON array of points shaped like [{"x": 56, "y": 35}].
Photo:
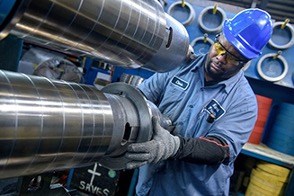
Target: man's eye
[{"x": 231, "y": 57}]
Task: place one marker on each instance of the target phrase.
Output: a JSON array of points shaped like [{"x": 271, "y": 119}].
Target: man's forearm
[{"x": 203, "y": 150}]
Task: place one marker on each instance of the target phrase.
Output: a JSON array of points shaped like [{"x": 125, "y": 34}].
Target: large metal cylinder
[
  {"x": 51, "y": 125},
  {"x": 128, "y": 33}
]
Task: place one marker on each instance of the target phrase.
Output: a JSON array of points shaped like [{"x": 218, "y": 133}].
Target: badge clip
[{"x": 210, "y": 118}]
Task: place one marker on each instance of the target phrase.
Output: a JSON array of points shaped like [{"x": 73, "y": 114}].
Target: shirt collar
[
  {"x": 230, "y": 83},
  {"x": 199, "y": 62}
]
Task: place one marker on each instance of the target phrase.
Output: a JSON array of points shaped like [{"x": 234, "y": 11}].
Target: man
[{"x": 213, "y": 109}]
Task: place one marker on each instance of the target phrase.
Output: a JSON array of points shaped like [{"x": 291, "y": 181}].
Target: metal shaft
[
  {"x": 51, "y": 125},
  {"x": 128, "y": 33}
]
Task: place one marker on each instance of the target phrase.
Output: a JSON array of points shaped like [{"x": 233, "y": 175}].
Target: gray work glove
[{"x": 161, "y": 147}]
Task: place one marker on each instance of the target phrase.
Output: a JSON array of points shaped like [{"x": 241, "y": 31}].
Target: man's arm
[{"x": 203, "y": 150}]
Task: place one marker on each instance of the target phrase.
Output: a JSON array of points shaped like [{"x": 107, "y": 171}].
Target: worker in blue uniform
[{"x": 213, "y": 109}]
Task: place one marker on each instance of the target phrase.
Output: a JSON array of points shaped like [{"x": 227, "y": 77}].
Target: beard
[{"x": 214, "y": 70}]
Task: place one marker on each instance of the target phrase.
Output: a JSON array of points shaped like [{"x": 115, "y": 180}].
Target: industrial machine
[{"x": 49, "y": 125}]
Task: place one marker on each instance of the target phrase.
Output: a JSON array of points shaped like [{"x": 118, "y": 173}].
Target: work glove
[{"x": 162, "y": 146}]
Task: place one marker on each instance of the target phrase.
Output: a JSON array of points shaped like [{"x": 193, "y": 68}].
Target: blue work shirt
[{"x": 181, "y": 95}]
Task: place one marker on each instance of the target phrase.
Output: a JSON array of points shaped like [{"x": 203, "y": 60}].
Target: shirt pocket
[{"x": 173, "y": 96}]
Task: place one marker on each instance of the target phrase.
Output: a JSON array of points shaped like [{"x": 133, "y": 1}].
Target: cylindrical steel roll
[
  {"x": 51, "y": 125},
  {"x": 129, "y": 33}
]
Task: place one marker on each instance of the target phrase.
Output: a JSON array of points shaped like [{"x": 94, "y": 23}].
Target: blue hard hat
[{"x": 249, "y": 31}]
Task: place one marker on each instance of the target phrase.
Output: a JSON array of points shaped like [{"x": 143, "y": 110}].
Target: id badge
[{"x": 215, "y": 110}]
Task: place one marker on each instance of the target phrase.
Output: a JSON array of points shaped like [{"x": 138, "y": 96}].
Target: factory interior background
[{"x": 264, "y": 166}]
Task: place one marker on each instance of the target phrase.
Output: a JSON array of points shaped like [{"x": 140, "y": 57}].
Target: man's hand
[{"x": 161, "y": 147}]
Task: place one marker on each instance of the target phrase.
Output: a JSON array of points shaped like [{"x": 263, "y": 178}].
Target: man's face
[{"x": 223, "y": 61}]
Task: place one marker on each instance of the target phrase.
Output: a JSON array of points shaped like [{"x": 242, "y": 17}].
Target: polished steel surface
[
  {"x": 47, "y": 125},
  {"x": 129, "y": 33},
  {"x": 51, "y": 125}
]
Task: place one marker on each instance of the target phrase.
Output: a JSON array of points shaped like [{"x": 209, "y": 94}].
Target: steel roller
[
  {"x": 52, "y": 125},
  {"x": 128, "y": 33}
]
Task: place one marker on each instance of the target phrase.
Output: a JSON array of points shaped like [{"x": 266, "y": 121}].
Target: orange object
[{"x": 264, "y": 105}]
